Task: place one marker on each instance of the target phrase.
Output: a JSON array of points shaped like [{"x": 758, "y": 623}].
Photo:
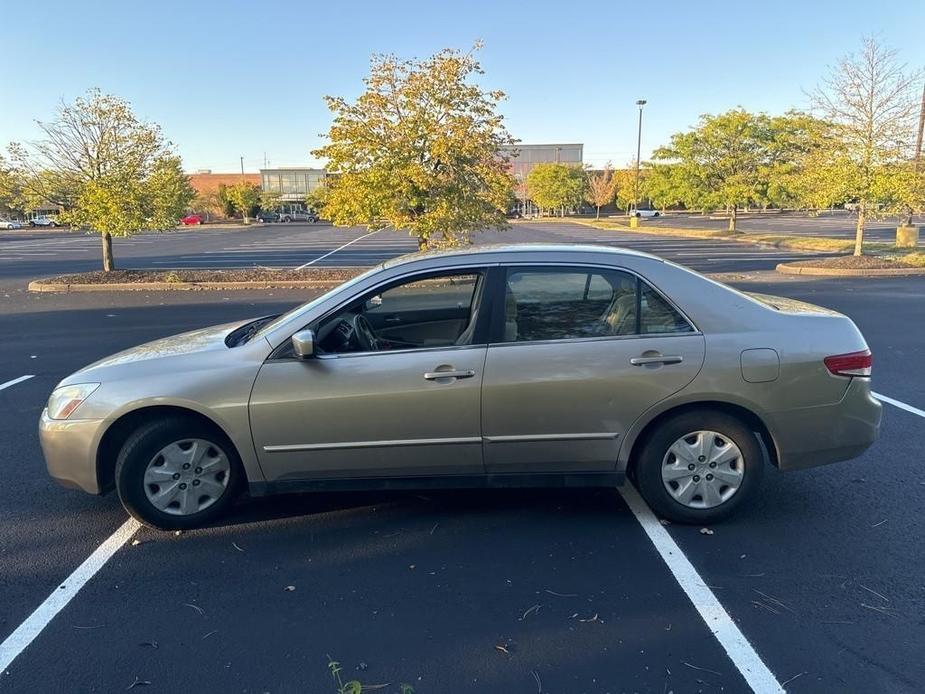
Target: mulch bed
[
  {"x": 852, "y": 262},
  {"x": 335, "y": 274}
]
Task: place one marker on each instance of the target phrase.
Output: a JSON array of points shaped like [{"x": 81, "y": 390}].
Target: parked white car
[
  {"x": 644, "y": 213},
  {"x": 9, "y": 224},
  {"x": 43, "y": 222}
]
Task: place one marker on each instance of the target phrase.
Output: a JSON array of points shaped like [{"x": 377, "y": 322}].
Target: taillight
[{"x": 851, "y": 364}]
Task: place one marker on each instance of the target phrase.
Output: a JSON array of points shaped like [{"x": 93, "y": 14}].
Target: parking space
[{"x": 520, "y": 591}]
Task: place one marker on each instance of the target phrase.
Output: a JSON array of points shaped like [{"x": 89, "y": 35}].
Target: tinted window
[
  {"x": 542, "y": 304},
  {"x": 658, "y": 316}
]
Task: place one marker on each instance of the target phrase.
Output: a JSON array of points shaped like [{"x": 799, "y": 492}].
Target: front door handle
[
  {"x": 440, "y": 375},
  {"x": 642, "y": 361}
]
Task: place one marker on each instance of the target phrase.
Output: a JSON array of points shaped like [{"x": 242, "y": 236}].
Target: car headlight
[{"x": 64, "y": 400}]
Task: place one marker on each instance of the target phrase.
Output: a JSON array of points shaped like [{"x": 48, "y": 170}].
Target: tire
[
  {"x": 657, "y": 214},
  {"x": 657, "y": 453},
  {"x": 147, "y": 444}
]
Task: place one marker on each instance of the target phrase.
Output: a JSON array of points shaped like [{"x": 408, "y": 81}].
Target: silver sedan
[{"x": 500, "y": 366}]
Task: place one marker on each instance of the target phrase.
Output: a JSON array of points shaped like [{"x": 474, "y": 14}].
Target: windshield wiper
[{"x": 244, "y": 333}]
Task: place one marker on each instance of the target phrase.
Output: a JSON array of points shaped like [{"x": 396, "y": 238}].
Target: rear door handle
[
  {"x": 642, "y": 361},
  {"x": 438, "y": 375}
]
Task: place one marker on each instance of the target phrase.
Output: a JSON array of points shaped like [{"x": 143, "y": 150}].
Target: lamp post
[{"x": 640, "y": 104}]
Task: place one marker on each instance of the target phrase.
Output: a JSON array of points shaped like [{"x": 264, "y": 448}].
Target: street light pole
[{"x": 640, "y": 104}]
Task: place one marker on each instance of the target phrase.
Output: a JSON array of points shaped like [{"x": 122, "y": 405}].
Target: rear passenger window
[
  {"x": 567, "y": 304},
  {"x": 658, "y": 316},
  {"x": 549, "y": 304}
]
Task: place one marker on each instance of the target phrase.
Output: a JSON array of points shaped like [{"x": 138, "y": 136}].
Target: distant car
[
  {"x": 267, "y": 217},
  {"x": 191, "y": 220},
  {"x": 298, "y": 216},
  {"x": 43, "y": 221},
  {"x": 9, "y": 224},
  {"x": 644, "y": 213}
]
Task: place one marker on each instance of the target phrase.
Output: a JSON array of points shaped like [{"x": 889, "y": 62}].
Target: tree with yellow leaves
[{"x": 421, "y": 150}]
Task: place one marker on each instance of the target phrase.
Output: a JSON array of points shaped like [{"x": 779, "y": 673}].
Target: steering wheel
[{"x": 365, "y": 335}]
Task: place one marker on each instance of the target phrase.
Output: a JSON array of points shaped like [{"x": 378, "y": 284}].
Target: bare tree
[
  {"x": 870, "y": 98},
  {"x": 601, "y": 188}
]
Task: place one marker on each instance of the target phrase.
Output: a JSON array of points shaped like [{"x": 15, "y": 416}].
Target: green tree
[
  {"x": 600, "y": 188},
  {"x": 871, "y": 100},
  {"x": 170, "y": 193},
  {"x": 625, "y": 183},
  {"x": 420, "y": 149},
  {"x": 720, "y": 162},
  {"x": 106, "y": 169},
  {"x": 245, "y": 197},
  {"x": 268, "y": 201},
  {"x": 663, "y": 185},
  {"x": 11, "y": 189},
  {"x": 795, "y": 139},
  {"x": 225, "y": 203},
  {"x": 556, "y": 186}
]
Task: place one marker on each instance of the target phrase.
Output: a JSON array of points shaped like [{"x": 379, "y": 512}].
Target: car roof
[{"x": 556, "y": 251}]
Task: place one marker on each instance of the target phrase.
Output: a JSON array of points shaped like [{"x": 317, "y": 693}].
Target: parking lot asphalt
[
  {"x": 25, "y": 254},
  {"x": 837, "y": 223},
  {"x": 503, "y": 591}
]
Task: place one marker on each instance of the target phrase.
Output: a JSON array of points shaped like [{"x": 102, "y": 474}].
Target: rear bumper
[
  {"x": 69, "y": 447},
  {"x": 813, "y": 436}
]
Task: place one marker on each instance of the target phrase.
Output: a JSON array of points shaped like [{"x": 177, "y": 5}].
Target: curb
[
  {"x": 797, "y": 269},
  {"x": 41, "y": 286}
]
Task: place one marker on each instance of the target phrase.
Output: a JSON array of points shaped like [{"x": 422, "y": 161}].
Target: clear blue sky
[{"x": 226, "y": 79}]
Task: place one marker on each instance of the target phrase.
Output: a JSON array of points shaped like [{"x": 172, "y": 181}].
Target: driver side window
[{"x": 427, "y": 311}]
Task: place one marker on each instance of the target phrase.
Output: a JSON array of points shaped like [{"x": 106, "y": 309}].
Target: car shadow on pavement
[{"x": 456, "y": 502}]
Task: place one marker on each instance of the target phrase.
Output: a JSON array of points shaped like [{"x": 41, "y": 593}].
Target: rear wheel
[
  {"x": 699, "y": 467},
  {"x": 177, "y": 474}
]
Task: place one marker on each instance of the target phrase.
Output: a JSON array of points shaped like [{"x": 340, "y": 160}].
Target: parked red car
[{"x": 191, "y": 219}]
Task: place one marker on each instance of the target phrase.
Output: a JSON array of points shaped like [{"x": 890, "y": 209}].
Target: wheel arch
[
  {"x": 634, "y": 444},
  {"x": 118, "y": 432}
]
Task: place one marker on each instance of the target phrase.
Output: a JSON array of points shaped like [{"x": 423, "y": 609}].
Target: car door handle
[
  {"x": 438, "y": 375},
  {"x": 642, "y": 361},
  {"x": 393, "y": 319}
]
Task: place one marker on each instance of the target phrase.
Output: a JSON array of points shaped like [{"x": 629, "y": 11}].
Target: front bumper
[
  {"x": 70, "y": 447},
  {"x": 812, "y": 436}
]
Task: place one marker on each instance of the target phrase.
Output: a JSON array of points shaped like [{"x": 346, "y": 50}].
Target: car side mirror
[
  {"x": 373, "y": 302},
  {"x": 303, "y": 344}
]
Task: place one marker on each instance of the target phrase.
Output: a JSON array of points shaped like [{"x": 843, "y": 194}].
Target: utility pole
[
  {"x": 242, "y": 167},
  {"x": 640, "y": 104}
]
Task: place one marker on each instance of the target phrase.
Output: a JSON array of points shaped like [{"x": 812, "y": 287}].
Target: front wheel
[
  {"x": 699, "y": 467},
  {"x": 175, "y": 474}
]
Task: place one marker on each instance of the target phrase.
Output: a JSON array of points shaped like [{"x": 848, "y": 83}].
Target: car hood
[{"x": 211, "y": 339}]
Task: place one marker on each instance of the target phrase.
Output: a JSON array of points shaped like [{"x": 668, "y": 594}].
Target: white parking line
[
  {"x": 349, "y": 243},
  {"x": 740, "y": 651},
  {"x": 29, "y": 630},
  {"x": 14, "y": 382},
  {"x": 901, "y": 405}
]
